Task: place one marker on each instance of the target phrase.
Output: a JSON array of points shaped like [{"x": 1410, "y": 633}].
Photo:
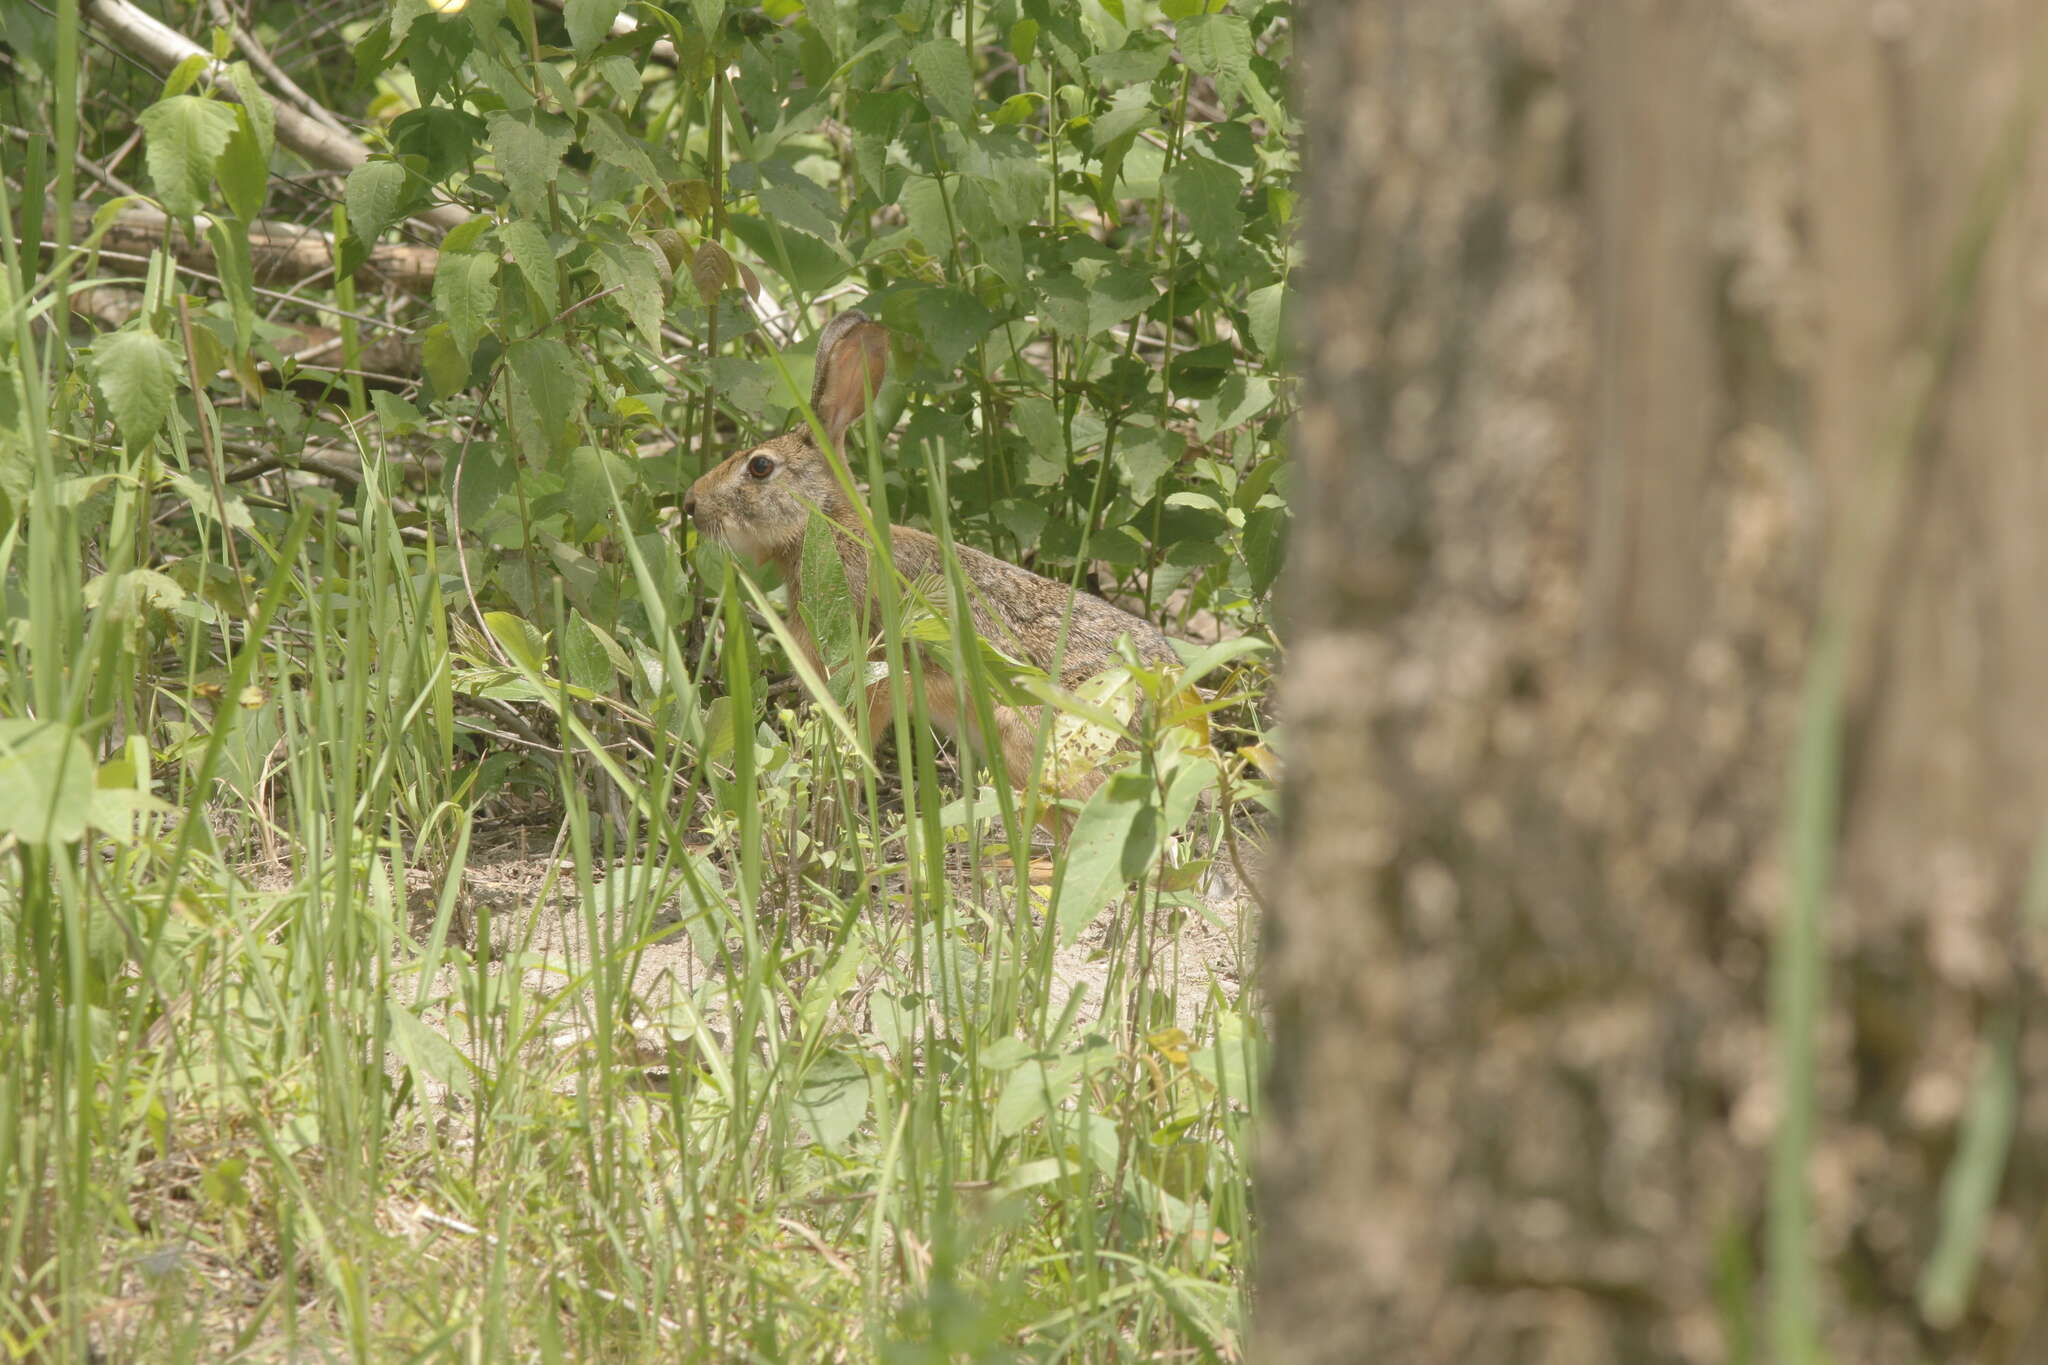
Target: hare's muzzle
[{"x": 690, "y": 503}]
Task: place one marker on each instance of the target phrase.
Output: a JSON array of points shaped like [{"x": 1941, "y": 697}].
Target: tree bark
[{"x": 1645, "y": 344}]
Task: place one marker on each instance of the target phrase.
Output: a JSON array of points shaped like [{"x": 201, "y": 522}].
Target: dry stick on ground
[
  {"x": 150, "y": 39},
  {"x": 277, "y": 250}
]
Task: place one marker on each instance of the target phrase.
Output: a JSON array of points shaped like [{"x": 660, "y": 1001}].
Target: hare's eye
[{"x": 760, "y": 467}]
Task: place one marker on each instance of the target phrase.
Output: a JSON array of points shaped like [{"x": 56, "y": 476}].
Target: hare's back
[{"x": 1025, "y": 614}]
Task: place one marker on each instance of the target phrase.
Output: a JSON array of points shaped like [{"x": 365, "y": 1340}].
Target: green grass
[{"x": 285, "y": 1078}]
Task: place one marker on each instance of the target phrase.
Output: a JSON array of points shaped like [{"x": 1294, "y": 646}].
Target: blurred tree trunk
[{"x": 1665, "y": 362}]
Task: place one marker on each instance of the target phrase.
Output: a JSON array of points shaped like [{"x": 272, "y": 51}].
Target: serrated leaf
[
  {"x": 376, "y": 195},
  {"x": 530, "y": 251},
  {"x": 137, "y": 373},
  {"x": 1218, "y": 46},
  {"x": 629, "y": 268},
  {"x": 466, "y": 295},
  {"x": 529, "y": 148},
  {"x": 184, "y": 137},
  {"x": 548, "y": 387},
  {"x": 244, "y": 169},
  {"x": 1207, "y": 192},
  {"x": 608, "y": 140},
  {"x": 941, "y": 65},
  {"x": 46, "y": 782},
  {"x": 711, "y": 269}
]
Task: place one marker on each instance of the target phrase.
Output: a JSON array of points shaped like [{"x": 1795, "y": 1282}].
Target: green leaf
[
  {"x": 828, "y": 609},
  {"x": 1236, "y": 401},
  {"x": 137, "y": 372},
  {"x": 425, "y": 1052},
  {"x": 1207, "y": 192},
  {"x": 1142, "y": 57},
  {"x": 1040, "y": 422},
  {"x": 1263, "y": 309},
  {"x": 466, "y": 294},
  {"x": 1146, "y": 453},
  {"x": 244, "y": 169},
  {"x": 548, "y": 388},
  {"x": 255, "y": 100},
  {"x": 535, "y": 258},
  {"x": 529, "y": 148},
  {"x": 46, "y": 782},
  {"x": 1082, "y": 307},
  {"x": 608, "y": 140},
  {"x": 1218, "y": 46},
  {"x": 445, "y": 363},
  {"x": 585, "y": 660},
  {"x": 833, "y": 1099},
  {"x": 941, "y": 64},
  {"x": 185, "y": 136},
  {"x": 590, "y": 23},
  {"x": 525, "y": 646},
  {"x": 1096, "y": 862},
  {"x": 592, "y": 475},
  {"x": 629, "y": 268},
  {"x": 377, "y": 195}
]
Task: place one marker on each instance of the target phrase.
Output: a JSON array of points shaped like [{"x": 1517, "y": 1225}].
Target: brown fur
[{"x": 1014, "y": 609}]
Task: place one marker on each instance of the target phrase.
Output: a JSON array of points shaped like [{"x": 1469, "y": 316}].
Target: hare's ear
[{"x": 853, "y": 355}]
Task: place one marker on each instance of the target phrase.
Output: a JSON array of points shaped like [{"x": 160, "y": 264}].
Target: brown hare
[{"x": 758, "y": 504}]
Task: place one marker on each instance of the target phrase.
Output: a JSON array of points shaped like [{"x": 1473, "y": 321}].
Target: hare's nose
[{"x": 690, "y": 503}]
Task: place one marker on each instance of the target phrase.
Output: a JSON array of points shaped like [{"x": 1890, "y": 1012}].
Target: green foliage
[{"x": 327, "y": 621}]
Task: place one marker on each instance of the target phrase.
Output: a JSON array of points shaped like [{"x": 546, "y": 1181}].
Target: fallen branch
[
  {"x": 149, "y": 38},
  {"x": 278, "y": 252}
]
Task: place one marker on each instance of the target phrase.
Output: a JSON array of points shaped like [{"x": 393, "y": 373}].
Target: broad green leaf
[
  {"x": 1237, "y": 400},
  {"x": 608, "y": 140},
  {"x": 585, "y": 660},
  {"x": 629, "y": 268},
  {"x": 828, "y": 609},
  {"x": 466, "y": 294},
  {"x": 46, "y": 782},
  {"x": 1142, "y": 57},
  {"x": 833, "y": 1099},
  {"x": 522, "y": 643},
  {"x": 137, "y": 372},
  {"x": 1218, "y": 46},
  {"x": 530, "y": 251},
  {"x": 529, "y": 148},
  {"x": 1040, "y": 422},
  {"x": 1263, "y": 308},
  {"x": 185, "y": 136},
  {"x": 1207, "y": 192},
  {"x": 445, "y": 363},
  {"x": 1095, "y": 869},
  {"x": 590, "y": 23},
  {"x": 426, "y": 1053},
  {"x": 941, "y": 64},
  {"x": 1146, "y": 453},
  {"x": 244, "y": 169},
  {"x": 377, "y": 195},
  {"x": 253, "y": 98},
  {"x": 549, "y": 384}
]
